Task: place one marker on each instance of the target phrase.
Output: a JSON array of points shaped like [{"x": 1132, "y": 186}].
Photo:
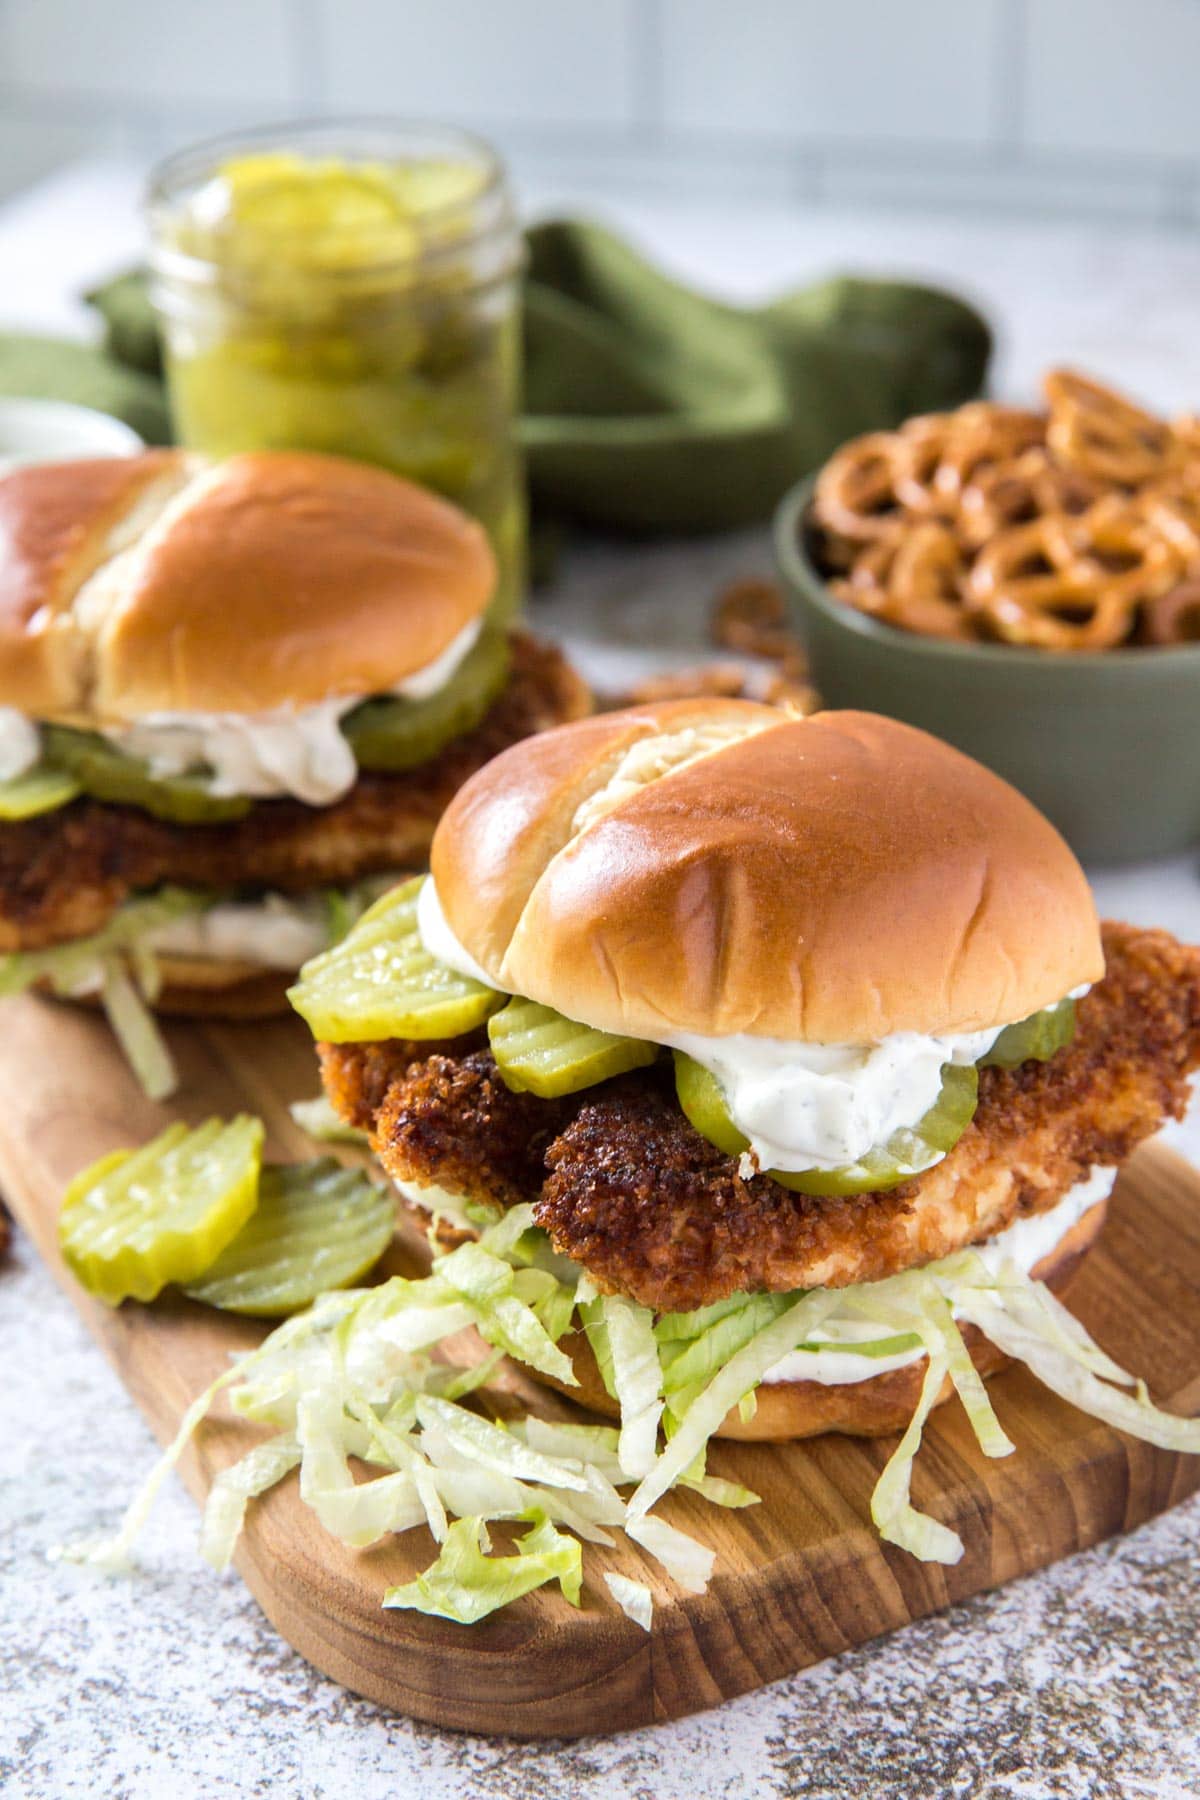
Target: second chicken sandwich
[
  {"x": 233, "y": 698},
  {"x": 805, "y": 1043}
]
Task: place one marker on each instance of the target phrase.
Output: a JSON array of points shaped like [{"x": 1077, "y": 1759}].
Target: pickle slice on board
[
  {"x": 381, "y": 982},
  {"x": 140, "y": 1219},
  {"x": 908, "y": 1152},
  {"x": 538, "y": 1051},
  {"x": 42, "y": 789},
  {"x": 393, "y": 734},
  {"x": 317, "y": 1226},
  {"x": 1035, "y": 1039},
  {"x": 108, "y": 774}
]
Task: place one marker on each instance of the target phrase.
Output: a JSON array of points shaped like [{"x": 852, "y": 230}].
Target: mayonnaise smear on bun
[{"x": 301, "y": 752}]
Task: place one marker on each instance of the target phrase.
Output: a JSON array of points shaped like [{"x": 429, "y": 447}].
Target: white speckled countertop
[{"x": 1082, "y": 1681}]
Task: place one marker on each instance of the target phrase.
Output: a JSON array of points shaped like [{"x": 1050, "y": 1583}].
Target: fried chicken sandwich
[
  {"x": 234, "y": 697},
  {"x": 802, "y": 1041}
]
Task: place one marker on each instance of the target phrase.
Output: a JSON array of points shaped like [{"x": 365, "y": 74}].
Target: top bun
[
  {"x": 720, "y": 866},
  {"x": 278, "y": 578}
]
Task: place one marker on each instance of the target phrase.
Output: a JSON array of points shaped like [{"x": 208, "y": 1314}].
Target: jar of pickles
[{"x": 352, "y": 289}]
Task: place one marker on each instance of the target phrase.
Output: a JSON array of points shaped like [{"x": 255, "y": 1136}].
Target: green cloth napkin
[{"x": 651, "y": 406}]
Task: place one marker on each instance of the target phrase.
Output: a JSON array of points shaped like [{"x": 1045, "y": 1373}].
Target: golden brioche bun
[
  {"x": 162, "y": 583},
  {"x": 798, "y": 1409},
  {"x": 721, "y": 866}
]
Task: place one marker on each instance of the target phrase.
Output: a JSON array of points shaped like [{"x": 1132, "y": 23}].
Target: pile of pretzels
[{"x": 1075, "y": 529}]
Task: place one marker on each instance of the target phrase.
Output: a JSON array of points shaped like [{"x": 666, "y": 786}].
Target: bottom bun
[
  {"x": 873, "y": 1408},
  {"x": 195, "y": 987}
]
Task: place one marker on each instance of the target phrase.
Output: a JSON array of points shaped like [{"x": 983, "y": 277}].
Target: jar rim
[{"x": 488, "y": 207}]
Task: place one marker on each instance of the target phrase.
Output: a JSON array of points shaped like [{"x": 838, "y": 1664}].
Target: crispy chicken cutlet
[{"x": 628, "y": 1188}]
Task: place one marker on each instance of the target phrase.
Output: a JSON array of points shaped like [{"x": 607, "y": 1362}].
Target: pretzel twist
[{"x": 1067, "y": 530}]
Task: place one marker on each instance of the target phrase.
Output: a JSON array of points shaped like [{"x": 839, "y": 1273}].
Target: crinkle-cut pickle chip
[
  {"x": 381, "y": 982},
  {"x": 1035, "y": 1039},
  {"x": 43, "y": 789},
  {"x": 109, "y": 774},
  {"x": 317, "y": 1226},
  {"x": 907, "y": 1152},
  {"x": 394, "y": 734},
  {"x": 140, "y": 1219},
  {"x": 539, "y": 1051}
]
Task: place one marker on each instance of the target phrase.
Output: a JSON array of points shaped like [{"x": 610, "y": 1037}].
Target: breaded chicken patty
[
  {"x": 629, "y": 1189},
  {"x": 63, "y": 874}
]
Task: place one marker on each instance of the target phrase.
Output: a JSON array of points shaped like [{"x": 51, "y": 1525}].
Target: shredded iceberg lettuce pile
[{"x": 368, "y": 1377}]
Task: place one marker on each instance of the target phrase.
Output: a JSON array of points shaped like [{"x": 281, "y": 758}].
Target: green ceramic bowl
[{"x": 1108, "y": 746}]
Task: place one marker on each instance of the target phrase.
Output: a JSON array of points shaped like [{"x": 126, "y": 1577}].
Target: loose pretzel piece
[
  {"x": 1103, "y": 435},
  {"x": 751, "y": 617},
  {"x": 855, "y": 496},
  {"x": 1174, "y": 618}
]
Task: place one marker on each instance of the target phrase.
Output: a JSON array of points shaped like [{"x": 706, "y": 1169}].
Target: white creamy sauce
[
  {"x": 821, "y": 1106},
  {"x": 272, "y": 933},
  {"x": 441, "y": 943},
  {"x": 20, "y": 745},
  {"x": 1024, "y": 1243},
  {"x": 299, "y": 751}
]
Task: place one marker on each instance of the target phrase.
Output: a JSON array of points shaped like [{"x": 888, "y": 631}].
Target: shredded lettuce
[
  {"x": 119, "y": 964},
  {"x": 78, "y": 967},
  {"x": 634, "y": 1599},
  {"x": 637, "y": 1381},
  {"x": 235, "y": 1487},
  {"x": 367, "y": 1378},
  {"x": 136, "y": 1030},
  {"x": 320, "y": 1121},
  {"x": 466, "y": 1585}
]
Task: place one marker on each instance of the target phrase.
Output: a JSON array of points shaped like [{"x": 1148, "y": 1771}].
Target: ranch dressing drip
[
  {"x": 298, "y": 751},
  {"x": 434, "y": 930},
  {"x": 271, "y": 933},
  {"x": 822, "y": 1106},
  {"x": 20, "y": 745}
]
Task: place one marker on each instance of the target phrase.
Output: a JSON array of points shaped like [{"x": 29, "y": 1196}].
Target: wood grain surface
[{"x": 798, "y": 1578}]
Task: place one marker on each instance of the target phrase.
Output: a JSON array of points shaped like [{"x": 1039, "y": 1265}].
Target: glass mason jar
[{"x": 351, "y": 288}]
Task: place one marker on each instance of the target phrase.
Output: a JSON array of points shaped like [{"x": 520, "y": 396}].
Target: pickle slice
[
  {"x": 317, "y": 1226},
  {"x": 392, "y": 733},
  {"x": 139, "y": 1219},
  {"x": 1035, "y": 1039},
  {"x": 908, "y": 1152},
  {"x": 381, "y": 982},
  {"x": 108, "y": 774},
  {"x": 538, "y": 1051},
  {"x": 43, "y": 789}
]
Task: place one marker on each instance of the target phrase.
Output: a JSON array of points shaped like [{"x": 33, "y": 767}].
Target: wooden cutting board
[{"x": 798, "y": 1578}]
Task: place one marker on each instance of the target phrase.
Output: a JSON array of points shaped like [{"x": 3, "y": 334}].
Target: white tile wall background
[{"x": 1064, "y": 106}]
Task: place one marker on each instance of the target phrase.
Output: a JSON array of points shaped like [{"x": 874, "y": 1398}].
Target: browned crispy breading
[
  {"x": 628, "y": 1188},
  {"x": 677, "y": 1228},
  {"x": 63, "y": 874}
]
